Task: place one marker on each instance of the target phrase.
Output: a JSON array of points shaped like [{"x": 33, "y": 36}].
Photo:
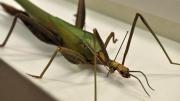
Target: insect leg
[
  {"x": 14, "y": 12},
  {"x": 95, "y": 71},
  {"x": 121, "y": 46},
  {"x": 72, "y": 56},
  {"x": 153, "y": 34},
  {"x": 102, "y": 45},
  {"x": 10, "y": 32},
  {"x": 47, "y": 66},
  {"x": 81, "y": 15},
  {"x": 111, "y": 36},
  {"x": 42, "y": 33},
  {"x": 69, "y": 54}
]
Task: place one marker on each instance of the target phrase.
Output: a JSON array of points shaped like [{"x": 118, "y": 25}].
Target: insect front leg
[
  {"x": 111, "y": 36},
  {"x": 153, "y": 34},
  {"x": 71, "y": 55},
  {"x": 102, "y": 45}
]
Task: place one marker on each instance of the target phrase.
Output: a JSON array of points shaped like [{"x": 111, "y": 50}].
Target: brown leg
[
  {"x": 153, "y": 34},
  {"x": 95, "y": 71},
  {"x": 14, "y": 12},
  {"x": 121, "y": 46},
  {"x": 10, "y": 32},
  {"x": 72, "y": 56},
  {"x": 111, "y": 36},
  {"x": 47, "y": 66},
  {"x": 81, "y": 14},
  {"x": 101, "y": 44},
  {"x": 38, "y": 30},
  {"x": 69, "y": 54}
]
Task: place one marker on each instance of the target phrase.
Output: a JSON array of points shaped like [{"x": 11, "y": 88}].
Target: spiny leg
[
  {"x": 102, "y": 45},
  {"x": 69, "y": 54},
  {"x": 104, "y": 62},
  {"x": 111, "y": 36},
  {"x": 81, "y": 15},
  {"x": 10, "y": 32},
  {"x": 112, "y": 70},
  {"x": 153, "y": 34}
]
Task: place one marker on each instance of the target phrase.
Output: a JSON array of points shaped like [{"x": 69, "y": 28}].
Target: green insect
[{"x": 84, "y": 47}]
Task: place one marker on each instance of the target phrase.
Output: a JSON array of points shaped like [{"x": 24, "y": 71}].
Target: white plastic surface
[{"x": 68, "y": 82}]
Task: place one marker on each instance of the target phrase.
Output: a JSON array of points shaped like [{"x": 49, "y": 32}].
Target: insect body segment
[{"x": 124, "y": 71}]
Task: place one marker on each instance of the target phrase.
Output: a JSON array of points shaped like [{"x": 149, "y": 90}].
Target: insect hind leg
[
  {"x": 11, "y": 10},
  {"x": 153, "y": 34},
  {"x": 10, "y": 32},
  {"x": 14, "y": 12}
]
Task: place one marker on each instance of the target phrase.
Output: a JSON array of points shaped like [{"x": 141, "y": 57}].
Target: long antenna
[
  {"x": 121, "y": 46},
  {"x": 141, "y": 84},
  {"x": 144, "y": 77}
]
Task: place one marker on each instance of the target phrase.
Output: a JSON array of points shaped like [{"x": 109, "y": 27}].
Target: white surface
[
  {"x": 164, "y": 8},
  {"x": 67, "y": 82}
]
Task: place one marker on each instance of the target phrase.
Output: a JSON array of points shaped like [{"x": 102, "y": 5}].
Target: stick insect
[{"x": 85, "y": 47}]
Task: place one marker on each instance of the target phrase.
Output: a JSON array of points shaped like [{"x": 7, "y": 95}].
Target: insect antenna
[
  {"x": 141, "y": 84},
  {"x": 144, "y": 77},
  {"x": 121, "y": 45}
]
